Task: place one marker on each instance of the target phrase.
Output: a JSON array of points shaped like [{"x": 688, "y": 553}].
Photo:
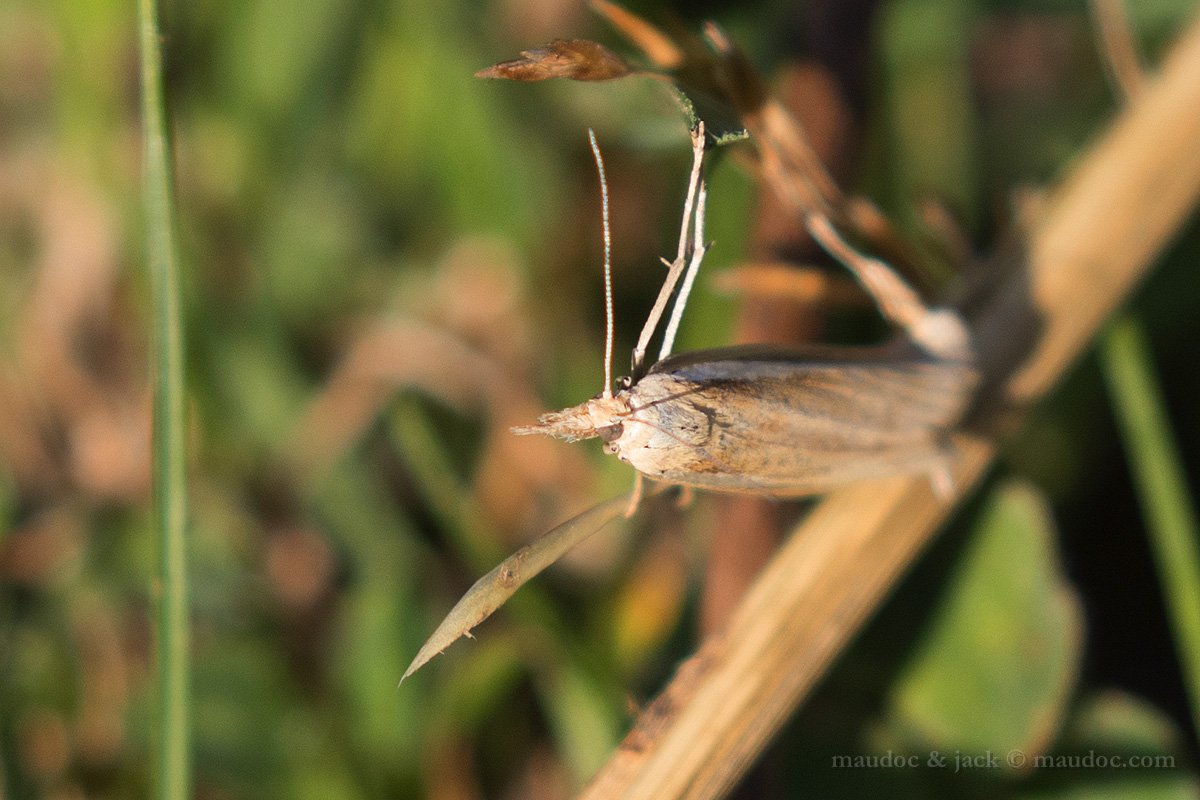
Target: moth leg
[
  {"x": 941, "y": 481},
  {"x": 686, "y": 496},
  {"x": 938, "y": 331},
  {"x": 676, "y": 267},
  {"x": 698, "y": 247},
  {"x": 635, "y": 497}
]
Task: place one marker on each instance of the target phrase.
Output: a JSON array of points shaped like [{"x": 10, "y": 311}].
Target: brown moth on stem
[
  {"x": 780, "y": 421},
  {"x": 761, "y": 419},
  {"x": 758, "y": 419}
]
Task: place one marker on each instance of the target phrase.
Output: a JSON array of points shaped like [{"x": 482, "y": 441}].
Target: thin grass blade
[
  {"x": 169, "y": 442},
  {"x": 1158, "y": 473},
  {"x": 492, "y": 590}
]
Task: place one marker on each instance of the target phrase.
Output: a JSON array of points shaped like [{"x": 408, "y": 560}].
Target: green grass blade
[
  {"x": 170, "y": 490},
  {"x": 1170, "y": 516}
]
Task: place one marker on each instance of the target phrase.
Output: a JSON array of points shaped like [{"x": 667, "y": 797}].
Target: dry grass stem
[
  {"x": 798, "y": 283},
  {"x": 1100, "y": 231},
  {"x": 1115, "y": 38}
]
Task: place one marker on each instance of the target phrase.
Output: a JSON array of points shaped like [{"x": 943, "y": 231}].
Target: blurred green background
[{"x": 388, "y": 262}]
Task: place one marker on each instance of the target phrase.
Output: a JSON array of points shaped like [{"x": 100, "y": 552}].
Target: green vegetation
[{"x": 386, "y": 263}]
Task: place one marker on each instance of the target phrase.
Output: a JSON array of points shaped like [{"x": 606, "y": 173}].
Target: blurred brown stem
[
  {"x": 1115, "y": 38},
  {"x": 1101, "y": 229}
]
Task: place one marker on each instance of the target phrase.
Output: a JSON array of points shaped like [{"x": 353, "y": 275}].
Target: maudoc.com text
[{"x": 959, "y": 761}]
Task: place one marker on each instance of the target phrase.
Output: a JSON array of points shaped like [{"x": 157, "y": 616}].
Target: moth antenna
[{"x": 608, "y": 288}]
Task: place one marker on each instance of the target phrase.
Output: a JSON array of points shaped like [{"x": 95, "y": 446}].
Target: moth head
[{"x": 600, "y": 416}]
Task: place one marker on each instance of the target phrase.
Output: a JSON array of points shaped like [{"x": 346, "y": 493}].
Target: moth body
[{"x": 777, "y": 421}]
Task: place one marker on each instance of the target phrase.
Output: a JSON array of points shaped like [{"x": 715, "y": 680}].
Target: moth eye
[
  {"x": 610, "y": 434},
  {"x": 611, "y": 447}
]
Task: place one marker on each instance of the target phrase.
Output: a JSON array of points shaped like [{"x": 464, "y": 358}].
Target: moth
[
  {"x": 773, "y": 420},
  {"x": 778, "y": 421},
  {"x": 761, "y": 419}
]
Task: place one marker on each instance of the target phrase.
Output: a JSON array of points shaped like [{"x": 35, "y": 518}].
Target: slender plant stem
[
  {"x": 170, "y": 488},
  {"x": 1170, "y": 517}
]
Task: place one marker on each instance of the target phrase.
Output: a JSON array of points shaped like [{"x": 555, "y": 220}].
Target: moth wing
[{"x": 796, "y": 426}]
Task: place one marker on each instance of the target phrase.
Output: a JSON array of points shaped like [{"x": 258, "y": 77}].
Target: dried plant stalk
[{"x": 1099, "y": 233}]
